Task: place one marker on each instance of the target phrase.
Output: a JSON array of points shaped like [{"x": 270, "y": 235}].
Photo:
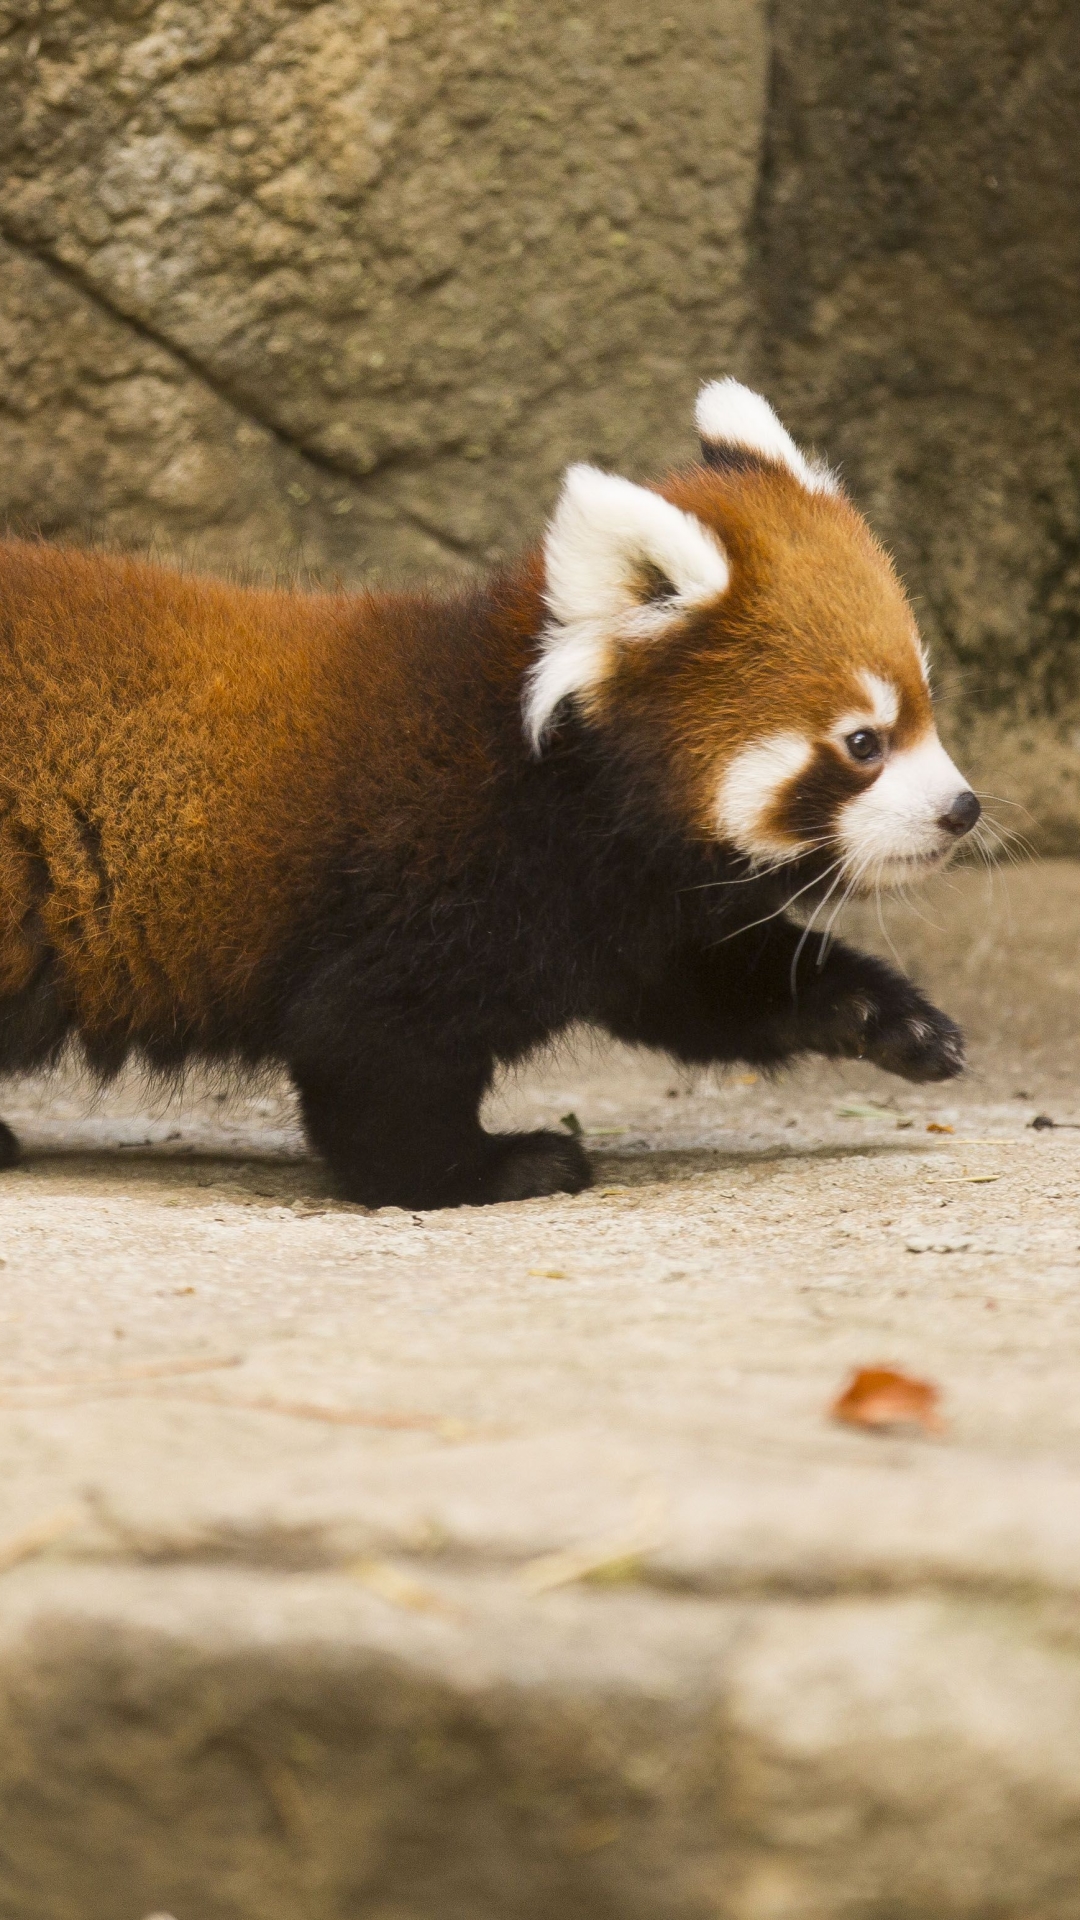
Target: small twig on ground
[
  {"x": 37, "y": 1536},
  {"x": 444, "y": 1428},
  {"x": 613, "y": 1558},
  {"x": 118, "y": 1376},
  {"x": 400, "y": 1589}
]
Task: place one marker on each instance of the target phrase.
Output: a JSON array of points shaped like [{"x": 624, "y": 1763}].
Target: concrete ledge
[{"x": 233, "y": 1746}]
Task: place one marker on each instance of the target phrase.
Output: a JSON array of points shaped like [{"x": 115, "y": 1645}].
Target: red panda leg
[
  {"x": 9, "y": 1148},
  {"x": 395, "y": 1135},
  {"x": 746, "y": 999}
]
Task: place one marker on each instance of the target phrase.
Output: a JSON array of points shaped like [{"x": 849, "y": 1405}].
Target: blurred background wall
[{"x": 336, "y": 289}]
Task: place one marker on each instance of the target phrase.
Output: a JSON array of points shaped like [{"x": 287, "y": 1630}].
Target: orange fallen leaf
[
  {"x": 881, "y": 1397},
  {"x": 935, "y": 1126}
]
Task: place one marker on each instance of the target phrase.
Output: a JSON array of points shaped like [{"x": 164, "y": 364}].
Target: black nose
[{"x": 961, "y": 814}]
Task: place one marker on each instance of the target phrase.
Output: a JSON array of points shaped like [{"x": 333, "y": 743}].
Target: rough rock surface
[
  {"x": 361, "y": 277},
  {"x": 916, "y": 302},
  {"x": 505, "y": 1563}
]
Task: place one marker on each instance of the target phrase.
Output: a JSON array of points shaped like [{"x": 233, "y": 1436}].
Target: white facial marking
[
  {"x": 604, "y": 539},
  {"x": 750, "y": 788},
  {"x": 894, "y": 823},
  {"x": 884, "y": 700},
  {"x": 882, "y": 709},
  {"x": 728, "y": 414}
]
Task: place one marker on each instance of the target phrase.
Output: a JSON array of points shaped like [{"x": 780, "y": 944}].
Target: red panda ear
[
  {"x": 620, "y": 563},
  {"x": 739, "y": 428}
]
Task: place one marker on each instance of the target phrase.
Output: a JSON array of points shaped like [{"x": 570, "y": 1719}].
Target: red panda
[{"x": 393, "y": 840}]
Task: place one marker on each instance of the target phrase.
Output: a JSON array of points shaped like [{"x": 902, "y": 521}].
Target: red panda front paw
[{"x": 915, "y": 1041}]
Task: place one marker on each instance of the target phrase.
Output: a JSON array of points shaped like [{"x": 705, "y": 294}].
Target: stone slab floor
[{"x": 505, "y": 1564}]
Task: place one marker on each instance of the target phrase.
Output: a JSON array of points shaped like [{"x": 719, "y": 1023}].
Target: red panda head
[{"x": 742, "y": 616}]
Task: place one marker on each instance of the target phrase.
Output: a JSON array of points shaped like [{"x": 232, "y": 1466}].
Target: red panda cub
[{"x": 394, "y": 840}]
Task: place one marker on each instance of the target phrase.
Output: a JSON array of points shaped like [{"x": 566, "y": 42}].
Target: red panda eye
[{"x": 864, "y": 744}]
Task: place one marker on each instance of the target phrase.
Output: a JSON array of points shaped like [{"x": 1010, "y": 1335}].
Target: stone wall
[
  {"x": 337, "y": 288},
  {"x": 345, "y": 284},
  {"x": 916, "y": 299}
]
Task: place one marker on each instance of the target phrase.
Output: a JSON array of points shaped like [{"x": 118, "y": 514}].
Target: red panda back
[{"x": 167, "y": 770}]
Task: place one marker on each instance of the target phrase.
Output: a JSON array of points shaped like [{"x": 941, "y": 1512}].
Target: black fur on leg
[
  {"x": 529, "y": 1166},
  {"x": 9, "y": 1148},
  {"x": 399, "y": 1125},
  {"x": 737, "y": 1001},
  {"x": 424, "y": 1156},
  {"x": 384, "y": 1153}
]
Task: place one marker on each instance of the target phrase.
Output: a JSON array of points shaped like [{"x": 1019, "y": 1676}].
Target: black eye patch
[{"x": 809, "y": 807}]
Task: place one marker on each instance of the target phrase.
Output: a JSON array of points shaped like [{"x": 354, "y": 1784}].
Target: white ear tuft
[
  {"x": 607, "y": 532},
  {"x": 621, "y": 563},
  {"x": 730, "y": 415}
]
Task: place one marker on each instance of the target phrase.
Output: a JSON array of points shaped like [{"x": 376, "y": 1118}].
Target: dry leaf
[
  {"x": 935, "y": 1126},
  {"x": 880, "y": 1397}
]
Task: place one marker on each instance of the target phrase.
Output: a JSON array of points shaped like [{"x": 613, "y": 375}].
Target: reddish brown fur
[{"x": 184, "y": 756}]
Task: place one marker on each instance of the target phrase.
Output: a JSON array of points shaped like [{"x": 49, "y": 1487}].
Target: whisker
[
  {"x": 1002, "y": 800},
  {"x": 764, "y": 873},
  {"x": 1012, "y": 847},
  {"x": 806, "y": 932},
  {"x": 885, "y": 934},
  {"x": 919, "y": 915},
  {"x": 990, "y": 839},
  {"x": 782, "y": 908},
  {"x": 826, "y": 937}
]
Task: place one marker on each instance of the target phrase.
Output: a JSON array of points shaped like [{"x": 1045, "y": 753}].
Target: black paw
[
  {"x": 912, "y": 1039},
  {"x": 9, "y": 1148},
  {"x": 529, "y": 1165}
]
